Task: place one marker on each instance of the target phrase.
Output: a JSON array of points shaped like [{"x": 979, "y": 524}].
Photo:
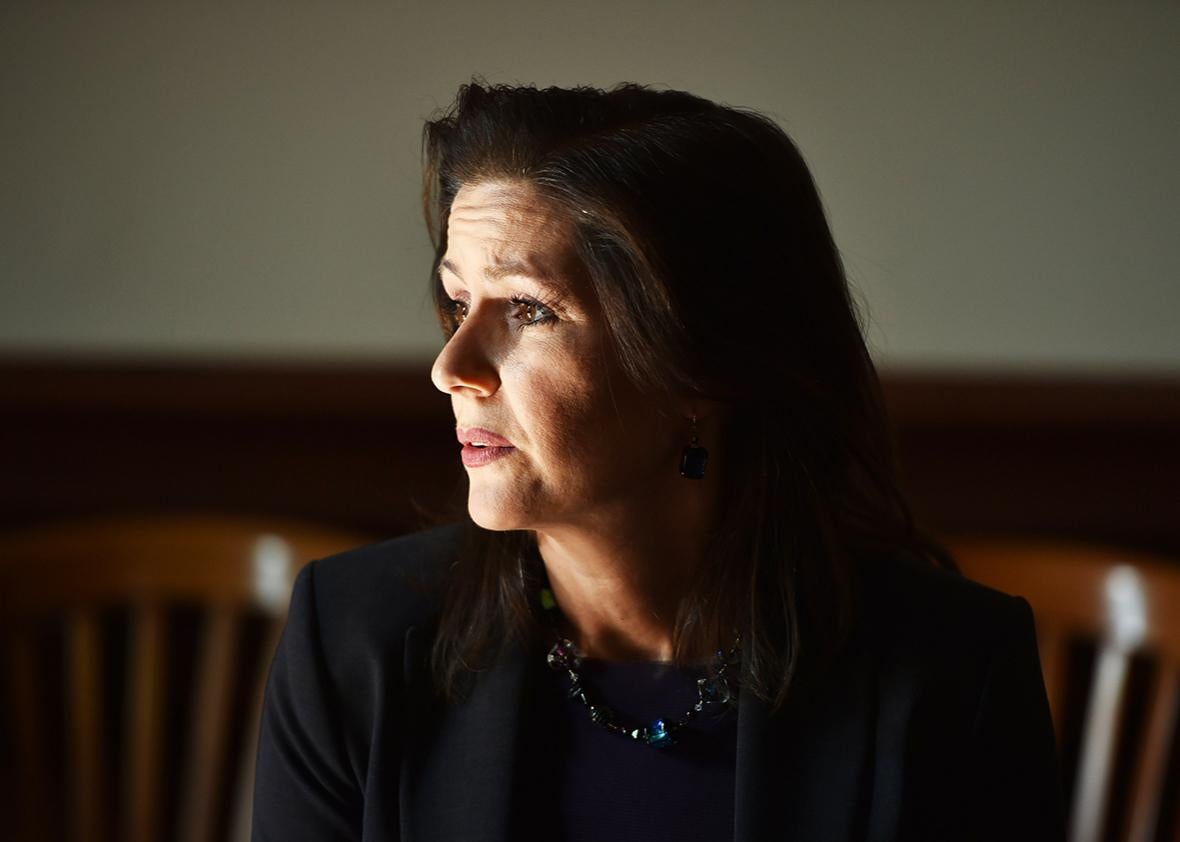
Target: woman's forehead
[{"x": 503, "y": 224}]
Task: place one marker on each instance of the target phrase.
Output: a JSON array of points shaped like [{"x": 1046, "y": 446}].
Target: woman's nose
[{"x": 464, "y": 365}]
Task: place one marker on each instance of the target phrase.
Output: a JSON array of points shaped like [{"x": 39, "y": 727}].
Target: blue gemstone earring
[{"x": 694, "y": 457}]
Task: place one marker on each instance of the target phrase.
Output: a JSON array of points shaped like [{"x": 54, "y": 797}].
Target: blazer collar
[{"x": 803, "y": 773}]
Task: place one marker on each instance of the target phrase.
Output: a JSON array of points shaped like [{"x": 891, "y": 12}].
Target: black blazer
[{"x": 935, "y": 726}]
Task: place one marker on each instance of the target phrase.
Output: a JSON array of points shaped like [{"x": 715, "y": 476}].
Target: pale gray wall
[{"x": 1002, "y": 178}]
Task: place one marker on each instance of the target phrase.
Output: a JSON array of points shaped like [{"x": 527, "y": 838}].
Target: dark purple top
[{"x": 590, "y": 784}]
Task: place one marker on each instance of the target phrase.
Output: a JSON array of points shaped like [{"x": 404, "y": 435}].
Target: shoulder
[
  {"x": 349, "y": 619},
  {"x": 379, "y": 590},
  {"x": 961, "y": 702},
  {"x": 923, "y": 617},
  {"x": 356, "y": 607},
  {"x": 398, "y": 575},
  {"x": 338, "y": 665}
]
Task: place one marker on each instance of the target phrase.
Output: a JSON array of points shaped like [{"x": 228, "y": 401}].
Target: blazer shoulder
[
  {"x": 937, "y": 613},
  {"x": 378, "y": 591},
  {"x": 959, "y": 692}
]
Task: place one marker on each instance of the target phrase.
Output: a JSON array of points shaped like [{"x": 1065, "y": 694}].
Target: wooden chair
[
  {"x": 69, "y": 578},
  {"x": 1127, "y": 604}
]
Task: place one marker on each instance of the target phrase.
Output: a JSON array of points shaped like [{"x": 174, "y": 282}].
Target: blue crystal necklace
[{"x": 712, "y": 691}]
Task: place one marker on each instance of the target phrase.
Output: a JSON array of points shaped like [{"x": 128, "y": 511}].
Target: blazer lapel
[
  {"x": 805, "y": 773},
  {"x": 752, "y": 803},
  {"x": 456, "y": 773}
]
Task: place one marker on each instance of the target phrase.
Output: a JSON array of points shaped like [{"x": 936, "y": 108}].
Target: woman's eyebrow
[{"x": 500, "y": 268}]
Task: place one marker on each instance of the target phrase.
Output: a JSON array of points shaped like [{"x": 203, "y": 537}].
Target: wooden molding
[{"x": 369, "y": 446}]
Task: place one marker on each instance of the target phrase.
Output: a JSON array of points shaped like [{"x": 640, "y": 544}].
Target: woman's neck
[{"x": 619, "y": 584}]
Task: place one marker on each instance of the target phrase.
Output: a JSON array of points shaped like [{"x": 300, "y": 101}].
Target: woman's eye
[
  {"x": 527, "y": 312},
  {"x": 456, "y": 313},
  {"x": 531, "y": 312}
]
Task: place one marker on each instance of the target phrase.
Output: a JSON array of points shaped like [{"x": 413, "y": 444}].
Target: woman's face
[{"x": 529, "y": 362}]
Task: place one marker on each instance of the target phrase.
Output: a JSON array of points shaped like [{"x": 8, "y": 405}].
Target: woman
[{"x": 688, "y": 601}]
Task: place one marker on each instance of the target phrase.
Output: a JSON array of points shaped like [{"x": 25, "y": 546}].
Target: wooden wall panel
[{"x": 370, "y": 447}]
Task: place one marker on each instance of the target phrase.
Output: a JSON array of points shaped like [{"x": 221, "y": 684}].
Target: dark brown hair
[{"x": 706, "y": 243}]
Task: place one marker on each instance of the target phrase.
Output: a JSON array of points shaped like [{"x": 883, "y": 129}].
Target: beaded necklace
[{"x": 660, "y": 733}]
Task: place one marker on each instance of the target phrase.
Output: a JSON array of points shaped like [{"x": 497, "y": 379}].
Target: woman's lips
[
  {"x": 493, "y": 446},
  {"x": 474, "y": 456},
  {"x": 478, "y": 435}
]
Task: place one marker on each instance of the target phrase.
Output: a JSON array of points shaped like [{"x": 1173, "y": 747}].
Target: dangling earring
[{"x": 694, "y": 457}]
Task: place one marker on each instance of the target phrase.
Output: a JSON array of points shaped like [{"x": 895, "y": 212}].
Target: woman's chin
[{"x": 495, "y": 517}]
